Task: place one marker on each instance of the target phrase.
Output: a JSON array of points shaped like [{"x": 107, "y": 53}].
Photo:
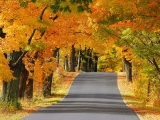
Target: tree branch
[
  {"x": 30, "y": 39},
  {"x": 15, "y": 63},
  {"x": 42, "y": 13},
  {"x": 156, "y": 65}
]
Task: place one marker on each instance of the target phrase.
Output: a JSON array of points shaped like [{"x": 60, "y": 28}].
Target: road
[{"x": 92, "y": 96}]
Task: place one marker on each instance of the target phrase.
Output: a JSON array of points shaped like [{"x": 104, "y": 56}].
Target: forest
[{"x": 39, "y": 37}]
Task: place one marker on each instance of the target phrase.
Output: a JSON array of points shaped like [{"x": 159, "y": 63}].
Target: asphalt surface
[{"x": 92, "y": 96}]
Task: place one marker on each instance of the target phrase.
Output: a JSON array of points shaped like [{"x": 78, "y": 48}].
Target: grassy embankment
[
  {"x": 145, "y": 112},
  {"x": 61, "y": 88}
]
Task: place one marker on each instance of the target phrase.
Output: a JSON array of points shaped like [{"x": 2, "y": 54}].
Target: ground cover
[
  {"x": 61, "y": 88},
  {"x": 127, "y": 90}
]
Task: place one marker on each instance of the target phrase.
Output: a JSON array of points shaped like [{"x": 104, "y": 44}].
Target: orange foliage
[
  {"x": 21, "y": 23},
  {"x": 121, "y": 25}
]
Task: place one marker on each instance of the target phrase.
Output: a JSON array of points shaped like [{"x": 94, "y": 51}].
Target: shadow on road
[
  {"x": 102, "y": 103},
  {"x": 92, "y": 96}
]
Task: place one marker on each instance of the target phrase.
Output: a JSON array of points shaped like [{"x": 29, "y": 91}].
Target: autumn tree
[
  {"x": 29, "y": 31},
  {"x": 135, "y": 25}
]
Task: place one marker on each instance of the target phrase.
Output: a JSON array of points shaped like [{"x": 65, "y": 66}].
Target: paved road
[{"x": 92, "y": 96}]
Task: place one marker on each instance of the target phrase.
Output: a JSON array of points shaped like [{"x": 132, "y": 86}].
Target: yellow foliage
[
  {"x": 49, "y": 67},
  {"x": 5, "y": 72},
  {"x": 127, "y": 53},
  {"x": 38, "y": 73}
]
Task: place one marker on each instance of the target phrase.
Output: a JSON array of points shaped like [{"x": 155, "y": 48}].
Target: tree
[
  {"x": 135, "y": 26},
  {"x": 35, "y": 44}
]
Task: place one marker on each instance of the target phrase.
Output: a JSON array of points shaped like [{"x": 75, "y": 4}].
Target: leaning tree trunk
[
  {"x": 72, "y": 59},
  {"x": 13, "y": 85},
  {"x": 128, "y": 68}
]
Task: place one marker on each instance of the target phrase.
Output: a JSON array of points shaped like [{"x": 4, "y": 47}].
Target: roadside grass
[
  {"x": 60, "y": 90},
  {"x": 144, "y": 112}
]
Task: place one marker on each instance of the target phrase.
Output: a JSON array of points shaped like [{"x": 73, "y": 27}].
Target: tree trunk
[
  {"x": 57, "y": 57},
  {"x": 85, "y": 61},
  {"x": 23, "y": 79},
  {"x": 95, "y": 63},
  {"x": 4, "y": 86},
  {"x": 90, "y": 61},
  {"x": 128, "y": 68},
  {"x": 4, "y": 91},
  {"x": 79, "y": 60},
  {"x": 29, "y": 89},
  {"x": 72, "y": 59},
  {"x": 47, "y": 86},
  {"x": 66, "y": 67},
  {"x": 13, "y": 85},
  {"x": 90, "y": 64}
]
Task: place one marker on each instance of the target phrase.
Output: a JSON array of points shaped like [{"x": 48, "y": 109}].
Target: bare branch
[
  {"x": 30, "y": 39},
  {"x": 42, "y": 13}
]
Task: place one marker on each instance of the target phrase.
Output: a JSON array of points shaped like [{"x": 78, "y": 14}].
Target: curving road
[{"x": 92, "y": 96}]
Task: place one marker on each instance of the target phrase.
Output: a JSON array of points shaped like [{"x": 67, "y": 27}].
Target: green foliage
[
  {"x": 111, "y": 62},
  {"x": 42, "y": 29},
  {"x": 56, "y": 6},
  {"x": 23, "y": 3},
  {"x": 147, "y": 44},
  {"x": 34, "y": 1},
  {"x": 64, "y": 6},
  {"x": 28, "y": 48},
  {"x": 86, "y": 2},
  {"x": 80, "y": 8},
  {"x": 103, "y": 32},
  {"x": 126, "y": 38},
  {"x": 144, "y": 44},
  {"x": 35, "y": 46},
  {"x": 43, "y": 22},
  {"x": 60, "y": 6},
  {"x": 114, "y": 18}
]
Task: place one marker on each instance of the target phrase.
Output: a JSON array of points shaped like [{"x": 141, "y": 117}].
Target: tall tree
[{"x": 36, "y": 19}]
